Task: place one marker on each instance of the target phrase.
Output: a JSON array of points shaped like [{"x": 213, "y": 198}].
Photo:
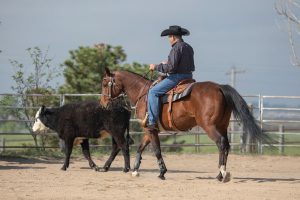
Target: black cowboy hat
[{"x": 175, "y": 30}]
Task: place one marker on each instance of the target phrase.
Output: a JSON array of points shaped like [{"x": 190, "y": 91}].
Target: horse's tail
[{"x": 241, "y": 111}]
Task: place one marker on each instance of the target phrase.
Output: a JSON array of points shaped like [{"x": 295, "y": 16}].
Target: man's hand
[{"x": 152, "y": 67}]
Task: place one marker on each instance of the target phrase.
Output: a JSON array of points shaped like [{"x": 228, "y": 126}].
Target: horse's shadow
[
  {"x": 255, "y": 179},
  {"x": 153, "y": 170}
]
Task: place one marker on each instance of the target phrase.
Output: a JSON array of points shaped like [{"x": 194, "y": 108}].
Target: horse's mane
[{"x": 141, "y": 76}]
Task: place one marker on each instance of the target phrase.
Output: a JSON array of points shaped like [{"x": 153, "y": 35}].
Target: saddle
[{"x": 182, "y": 89}]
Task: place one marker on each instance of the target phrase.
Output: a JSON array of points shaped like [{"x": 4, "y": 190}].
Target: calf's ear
[{"x": 43, "y": 109}]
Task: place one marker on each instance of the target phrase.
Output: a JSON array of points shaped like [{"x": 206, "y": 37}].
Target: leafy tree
[
  {"x": 36, "y": 82},
  {"x": 83, "y": 71}
]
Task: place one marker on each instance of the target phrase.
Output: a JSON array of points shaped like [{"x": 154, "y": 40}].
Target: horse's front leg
[
  {"x": 156, "y": 147},
  {"x": 144, "y": 143}
]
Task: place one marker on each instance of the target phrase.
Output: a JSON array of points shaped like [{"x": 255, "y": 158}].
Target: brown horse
[{"x": 209, "y": 106}]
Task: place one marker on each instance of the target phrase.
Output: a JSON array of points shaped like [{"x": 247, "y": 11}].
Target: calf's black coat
[{"x": 87, "y": 119}]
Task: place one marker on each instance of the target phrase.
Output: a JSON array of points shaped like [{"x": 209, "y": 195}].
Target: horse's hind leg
[
  {"x": 144, "y": 143},
  {"x": 86, "y": 152},
  {"x": 221, "y": 140},
  {"x": 224, "y": 147}
]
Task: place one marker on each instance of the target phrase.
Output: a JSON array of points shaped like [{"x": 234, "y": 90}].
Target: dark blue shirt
[{"x": 180, "y": 59}]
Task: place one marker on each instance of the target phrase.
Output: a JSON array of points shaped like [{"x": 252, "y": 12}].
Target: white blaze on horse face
[{"x": 38, "y": 126}]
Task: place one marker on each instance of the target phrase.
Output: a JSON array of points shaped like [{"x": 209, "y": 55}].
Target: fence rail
[{"x": 235, "y": 132}]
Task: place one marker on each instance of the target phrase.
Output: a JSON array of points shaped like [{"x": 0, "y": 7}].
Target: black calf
[{"x": 88, "y": 119}]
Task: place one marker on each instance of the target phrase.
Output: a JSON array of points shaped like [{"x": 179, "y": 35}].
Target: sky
[{"x": 247, "y": 34}]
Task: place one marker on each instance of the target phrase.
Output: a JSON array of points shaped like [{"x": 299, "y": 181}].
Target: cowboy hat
[{"x": 175, "y": 30}]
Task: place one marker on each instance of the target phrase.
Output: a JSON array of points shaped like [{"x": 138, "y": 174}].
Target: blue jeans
[{"x": 160, "y": 89}]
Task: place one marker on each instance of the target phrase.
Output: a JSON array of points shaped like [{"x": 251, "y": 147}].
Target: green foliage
[
  {"x": 83, "y": 71},
  {"x": 36, "y": 82},
  {"x": 6, "y": 113}
]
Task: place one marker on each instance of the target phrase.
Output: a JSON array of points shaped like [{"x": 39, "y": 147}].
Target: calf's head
[{"x": 40, "y": 117}]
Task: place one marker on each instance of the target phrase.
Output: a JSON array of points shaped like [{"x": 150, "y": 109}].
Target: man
[{"x": 179, "y": 66}]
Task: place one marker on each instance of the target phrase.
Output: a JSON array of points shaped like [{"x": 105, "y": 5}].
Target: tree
[
  {"x": 289, "y": 10},
  {"x": 36, "y": 82},
  {"x": 83, "y": 71}
]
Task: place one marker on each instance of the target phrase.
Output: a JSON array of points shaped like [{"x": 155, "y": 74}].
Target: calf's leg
[
  {"x": 114, "y": 153},
  {"x": 68, "y": 150},
  {"x": 125, "y": 151},
  {"x": 86, "y": 152}
]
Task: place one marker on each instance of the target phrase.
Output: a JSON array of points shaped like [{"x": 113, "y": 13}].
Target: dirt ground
[{"x": 188, "y": 177}]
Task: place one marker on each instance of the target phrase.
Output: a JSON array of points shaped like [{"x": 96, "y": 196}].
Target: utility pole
[{"x": 232, "y": 73}]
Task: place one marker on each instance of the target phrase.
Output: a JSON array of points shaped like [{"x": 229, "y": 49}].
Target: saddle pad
[{"x": 178, "y": 96}]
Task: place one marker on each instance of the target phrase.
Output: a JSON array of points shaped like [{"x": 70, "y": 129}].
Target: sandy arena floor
[{"x": 188, "y": 177}]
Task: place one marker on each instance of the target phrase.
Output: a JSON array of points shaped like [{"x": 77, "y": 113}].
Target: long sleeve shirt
[{"x": 180, "y": 59}]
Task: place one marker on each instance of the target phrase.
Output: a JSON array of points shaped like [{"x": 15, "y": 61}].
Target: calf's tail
[{"x": 129, "y": 139}]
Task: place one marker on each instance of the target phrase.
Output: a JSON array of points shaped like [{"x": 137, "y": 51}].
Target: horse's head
[{"x": 111, "y": 86}]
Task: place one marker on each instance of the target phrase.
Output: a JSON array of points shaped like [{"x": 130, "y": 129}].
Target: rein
[{"x": 112, "y": 84}]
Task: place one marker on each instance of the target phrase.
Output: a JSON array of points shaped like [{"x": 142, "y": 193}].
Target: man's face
[{"x": 172, "y": 39}]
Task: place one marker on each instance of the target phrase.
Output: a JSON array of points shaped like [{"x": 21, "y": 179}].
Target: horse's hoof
[
  {"x": 135, "y": 174},
  {"x": 162, "y": 177},
  {"x": 93, "y": 166},
  {"x": 104, "y": 169},
  {"x": 220, "y": 177},
  {"x": 227, "y": 177},
  {"x": 125, "y": 170},
  {"x": 63, "y": 169}
]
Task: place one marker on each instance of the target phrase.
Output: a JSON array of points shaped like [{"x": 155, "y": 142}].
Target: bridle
[{"x": 112, "y": 87}]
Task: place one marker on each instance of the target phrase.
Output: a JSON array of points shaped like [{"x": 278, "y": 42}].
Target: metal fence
[{"x": 274, "y": 120}]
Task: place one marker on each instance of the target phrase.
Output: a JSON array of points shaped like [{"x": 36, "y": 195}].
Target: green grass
[
  {"x": 15, "y": 140},
  {"x": 179, "y": 139}
]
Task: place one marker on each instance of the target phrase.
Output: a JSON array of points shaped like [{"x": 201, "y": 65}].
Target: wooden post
[
  {"x": 2, "y": 144},
  {"x": 281, "y": 139}
]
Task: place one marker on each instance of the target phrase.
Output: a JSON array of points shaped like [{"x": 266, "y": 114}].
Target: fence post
[
  {"x": 281, "y": 139},
  {"x": 261, "y": 110},
  {"x": 2, "y": 144}
]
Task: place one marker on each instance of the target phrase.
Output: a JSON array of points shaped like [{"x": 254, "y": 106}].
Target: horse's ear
[{"x": 107, "y": 71}]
